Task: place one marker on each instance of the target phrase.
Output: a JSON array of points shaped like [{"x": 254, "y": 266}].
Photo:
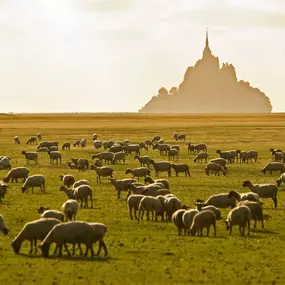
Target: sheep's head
[
  {"x": 277, "y": 181},
  {"x": 245, "y": 183},
  {"x": 136, "y": 157},
  {"x": 23, "y": 152},
  {"x": 4, "y": 230},
  {"x": 218, "y": 151},
  {"x": 16, "y": 247},
  {"x": 23, "y": 189},
  {"x": 128, "y": 171},
  {"x": 227, "y": 225},
  {"x": 232, "y": 194},
  {"x": 148, "y": 180},
  {"x": 62, "y": 188},
  {"x": 61, "y": 177},
  {"x": 207, "y": 171},
  {"x": 41, "y": 209}
]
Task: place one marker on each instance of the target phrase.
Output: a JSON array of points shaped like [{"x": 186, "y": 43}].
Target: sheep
[
  {"x": 163, "y": 181},
  {"x": 97, "y": 162},
  {"x": 71, "y": 232},
  {"x": 47, "y": 144},
  {"x": 99, "y": 231},
  {"x": 239, "y": 216},
  {"x": 255, "y": 210},
  {"x": 178, "y": 168},
  {"x": 105, "y": 144},
  {"x": 30, "y": 156},
  {"x": 274, "y": 166},
  {"x": 80, "y": 182},
  {"x": 72, "y": 165},
  {"x": 200, "y": 207},
  {"x": 97, "y": 144},
  {"x": 143, "y": 146},
  {"x": 156, "y": 138},
  {"x": 15, "y": 173},
  {"x": 263, "y": 190},
  {"x": 54, "y": 155},
  {"x": 149, "y": 204},
  {"x": 82, "y": 164},
  {"x": 126, "y": 142},
  {"x": 106, "y": 156},
  {"x": 81, "y": 193},
  {"x": 94, "y": 136},
  {"x": 70, "y": 208},
  {"x": 53, "y": 148},
  {"x": 228, "y": 155},
  {"x": 148, "y": 143},
  {"x": 130, "y": 148},
  {"x": 278, "y": 156},
  {"x": 176, "y": 147},
  {"x": 171, "y": 205},
  {"x": 220, "y": 161},
  {"x": 278, "y": 181},
  {"x": 187, "y": 219},
  {"x": 172, "y": 154},
  {"x": 155, "y": 192},
  {"x": 16, "y": 140},
  {"x": 119, "y": 156},
  {"x": 246, "y": 156},
  {"x": 43, "y": 149},
  {"x": 143, "y": 160},
  {"x": 116, "y": 148},
  {"x": 138, "y": 172},
  {"x": 143, "y": 188},
  {"x": 180, "y": 137},
  {"x": 200, "y": 156},
  {"x": 196, "y": 148},
  {"x": 33, "y": 231},
  {"x": 133, "y": 204},
  {"x": 161, "y": 167},
  {"x": 161, "y": 141},
  {"x": 5, "y": 163},
  {"x": 32, "y": 140},
  {"x": 36, "y": 180},
  {"x": 245, "y": 196},
  {"x": 103, "y": 171},
  {"x": 47, "y": 213},
  {"x": 3, "y": 227},
  {"x": 214, "y": 167},
  {"x": 201, "y": 220},
  {"x": 163, "y": 148},
  {"x": 178, "y": 222},
  {"x": 65, "y": 146},
  {"x": 39, "y": 136},
  {"x": 221, "y": 201},
  {"x": 3, "y": 191},
  {"x": 67, "y": 180},
  {"x": 76, "y": 143},
  {"x": 121, "y": 185}
]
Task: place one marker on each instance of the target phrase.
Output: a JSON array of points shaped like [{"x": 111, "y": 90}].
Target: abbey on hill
[{"x": 207, "y": 88}]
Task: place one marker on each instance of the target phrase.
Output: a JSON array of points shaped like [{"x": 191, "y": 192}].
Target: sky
[{"x": 113, "y": 55}]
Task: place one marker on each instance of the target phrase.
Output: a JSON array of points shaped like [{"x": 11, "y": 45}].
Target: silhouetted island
[{"x": 207, "y": 88}]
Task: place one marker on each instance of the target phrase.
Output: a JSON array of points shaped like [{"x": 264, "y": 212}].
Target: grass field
[{"x": 150, "y": 252}]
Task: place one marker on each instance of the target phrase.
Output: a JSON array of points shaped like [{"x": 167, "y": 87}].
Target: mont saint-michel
[{"x": 209, "y": 88}]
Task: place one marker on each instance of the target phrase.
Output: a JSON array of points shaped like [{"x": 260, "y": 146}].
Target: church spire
[
  {"x": 207, "y": 39},
  {"x": 207, "y": 50}
]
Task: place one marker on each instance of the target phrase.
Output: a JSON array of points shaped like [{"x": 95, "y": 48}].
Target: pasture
[{"x": 150, "y": 252}]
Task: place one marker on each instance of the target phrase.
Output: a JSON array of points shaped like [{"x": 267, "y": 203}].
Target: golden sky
[{"x": 113, "y": 55}]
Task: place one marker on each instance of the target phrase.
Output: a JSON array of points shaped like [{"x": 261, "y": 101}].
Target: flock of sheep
[{"x": 151, "y": 197}]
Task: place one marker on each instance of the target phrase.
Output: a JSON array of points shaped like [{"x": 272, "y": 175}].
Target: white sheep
[
  {"x": 119, "y": 156},
  {"x": 162, "y": 166},
  {"x": 80, "y": 182},
  {"x": 181, "y": 168},
  {"x": 178, "y": 222},
  {"x": 172, "y": 154},
  {"x": 149, "y": 204},
  {"x": 16, "y": 140},
  {"x": 203, "y": 220},
  {"x": 221, "y": 201},
  {"x": 165, "y": 182},
  {"x": 214, "y": 167},
  {"x": 5, "y": 163},
  {"x": 70, "y": 208},
  {"x": 30, "y": 156},
  {"x": 103, "y": 171},
  {"x": 54, "y": 155},
  {"x": 274, "y": 166},
  {"x": 200, "y": 207},
  {"x": 187, "y": 219},
  {"x": 36, "y": 180},
  {"x": 16, "y": 173},
  {"x": 133, "y": 202},
  {"x": 244, "y": 196},
  {"x": 200, "y": 156},
  {"x": 143, "y": 160},
  {"x": 3, "y": 227},
  {"x": 53, "y": 214},
  {"x": 138, "y": 172},
  {"x": 121, "y": 185},
  {"x": 67, "y": 179}
]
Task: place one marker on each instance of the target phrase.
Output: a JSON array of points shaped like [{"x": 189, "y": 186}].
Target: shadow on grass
[{"x": 264, "y": 231}]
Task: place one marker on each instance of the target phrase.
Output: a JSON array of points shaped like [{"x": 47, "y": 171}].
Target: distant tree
[
  {"x": 173, "y": 90},
  {"x": 162, "y": 92}
]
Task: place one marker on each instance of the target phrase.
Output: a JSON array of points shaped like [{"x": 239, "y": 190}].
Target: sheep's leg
[
  {"x": 231, "y": 229},
  {"x": 275, "y": 201},
  {"x": 262, "y": 223},
  {"x": 131, "y": 214},
  {"x": 73, "y": 249},
  {"x": 147, "y": 215},
  {"x": 179, "y": 231},
  {"x": 31, "y": 248},
  {"x": 208, "y": 231},
  {"x": 36, "y": 248},
  {"x": 102, "y": 243},
  {"x": 91, "y": 201},
  {"x": 60, "y": 250}
]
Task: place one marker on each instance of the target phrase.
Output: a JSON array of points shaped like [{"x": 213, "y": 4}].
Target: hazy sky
[{"x": 113, "y": 55}]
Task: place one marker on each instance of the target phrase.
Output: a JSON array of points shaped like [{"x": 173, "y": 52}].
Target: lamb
[
  {"x": 32, "y": 140},
  {"x": 221, "y": 201},
  {"x": 196, "y": 148},
  {"x": 187, "y": 219},
  {"x": 121, "y": 185},
  {"x": 228, "y": 155},
  {"x": 70, "y": 208},
  {"x": 94, "y": 136},
  {"x": 163, "y": 181},
  {"x": 30, "y": 156},
  {"x": 163, "y": 148},
  {"x": 148, "y": 143},
  {"x": 214, "y": 167},
  {"x": 3, "y": 227},
  {"x": 5, "y": 163},
  {"x": 54, "y": 155},
  {"x": 3, "y": 191},
  {"x": 149, "y": 204},
  {"x": 138, "y": 172},
  {"x": 83, "y": 143},
  {"x": 103, "y": 171},
  {"x": 162, "y": 166},
  {"x": 245, "y": 196},
  {"x": 33, "y": 231},
  {"x": 39, "y": 136},
  {"x": 76, "y": 143},
  {"x": 178, "y": 222},
  {"x": 133, "y": 204},
  {"x": 97, "y": 144},
  {"x": 239, "y": 216},
  {"x": 106, "y": 156},
  {"x": 15, "y": 173},
  {"x": 67, "y": 180},
  {"x": 36, "y": 180},
  {"x": 255, "y": 210},
  {"x": 47, "y": 213},
  {"x": 200, "y": 156},
  {"x": 178, "y": 168},
  {"x": 278, "y": 181},
  {"x": 215, "y": 210},
  {"x": 65, "y": 146},
  {"x": 263, "y": 190},
  {"x": 16, "y": 140},
  {"x": 80, "y": 182},
  {"x": 274, "y": 166},
  {"x": 203, "y": 220},
  {"x": 119, "y": 156},
  {"x": 143, "y": 160},
  {"x": 172, "y": 154}
]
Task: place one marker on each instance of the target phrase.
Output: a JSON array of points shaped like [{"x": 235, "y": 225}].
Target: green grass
[{"x": 149, "y": 252}]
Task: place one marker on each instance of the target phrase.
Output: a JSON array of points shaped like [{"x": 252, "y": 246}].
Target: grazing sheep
[
  {"x": 163, "y": 181},
  {"x": 80, "y": 193},
  {"x": 82, "y": 164},
  {"x": 39, "y": 136},
  {"x": 36, "y": 180},
  {"x": 274, "y": 166},
  {"x": 116, "y": 148},
  {"x": 76, "y": 143},
  {"x": 214, "y": 167},
  {"x": 215, "y": 210},
  {"x": 130, "y": 148},
  {"x": 148, "y": 143},
  {"x": 106, "y": 156},
  {"x": 138, "y": 172},
  {"x": 149, "y": 204},
  {"x": 143, "y": 146},
  {"x": 162, "y": 166},
  {"x": 263, "y": 190},
  {"x": 94, "y": 136},
  {"x": 121, "y": 185},
  {"x": 67, "y": 180},
  {"x": 178, "y": 222},
  {"x": 187, "y": 219},
  {"x": 239, "y": 216},
  {"x": 33, "y": 231},
  {"x": 176, "y": 147},
  {"x": 103, "y": 171},
  {"x": 171, "y": 205},
  {"x": 71, "y": 232},
  {"x": 43, "y": 149},
  {"x": 51, "y": 214},
  {"x": 201, "y": 220},
  {"x": 139, "y": 189},
  {"x": 80, "y": 182},
  {"x": 163, "y": 148},
  {"x": 172, "y": 154},
  {"x": 47, "y": 144},
  {"x": 83, "y": 143},
  {"x": 32, "y": 140},
  {"x": 54, "y": 155},
  {"x": 5, "y": 163},
  {"x": 72, "y": 165},
  {"x": 30, "y": 156},
  {"x": 221, "y": 201},
  {"x": 143, "y": 160},
  {"x": 278, "y": 156},
  {"x": 228, "y": 155},
  {"x": 156, "y": 138},
  {"x": 196, "y": 148},
  {"x": 246, "y": 156},
  {"x": 65, "y": 146},
  {"x": 99, "y": 231},
  {"x": 255, "y": 210},
  {"x": 15, "y": 173},
  {"x": 3, "y": 227},
  {"x": 181, "y": 168},
  {"x": 278, "y": 181},
  {"x": 70, "y": 208},
  {"x": 155, "y": 192},
  {"x": 119, "y": 156},
  {"x": 97, "y": 144},
  {"x": 180, "y": 137},
  {"x": 245, "y": 196},
  {"x": 16, "y": 140},
  {"x": 200, "y": 156},
  {"x": 133, "y": 204},
  {"x": 220, "y": 161}
]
